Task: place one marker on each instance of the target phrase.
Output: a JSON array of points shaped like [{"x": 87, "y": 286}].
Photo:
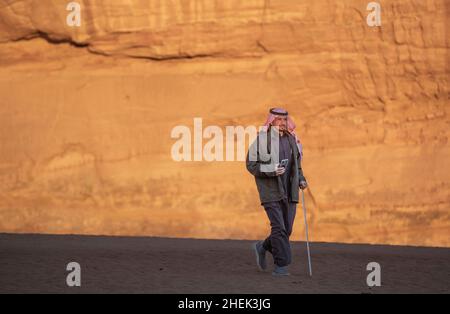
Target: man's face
[{"x": 280, "y": 122}]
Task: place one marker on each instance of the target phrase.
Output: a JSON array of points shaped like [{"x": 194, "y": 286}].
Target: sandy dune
[{"x": 36, "y": 263}]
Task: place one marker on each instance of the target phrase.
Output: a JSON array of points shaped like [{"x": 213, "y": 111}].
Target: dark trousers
[{"x": 281, "y": 215}]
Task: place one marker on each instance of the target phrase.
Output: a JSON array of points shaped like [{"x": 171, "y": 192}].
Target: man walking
[{"x": 278, "y": 186}]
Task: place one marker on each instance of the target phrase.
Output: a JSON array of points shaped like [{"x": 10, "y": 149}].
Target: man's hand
[
  {"x": 280, "y": 171},
  {"x": 303, "y": 185}
]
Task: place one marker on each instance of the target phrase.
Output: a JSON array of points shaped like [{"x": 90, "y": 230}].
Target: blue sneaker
[
  {"x": 260, "y": 253},
  {"x": 280, "y": 271}
]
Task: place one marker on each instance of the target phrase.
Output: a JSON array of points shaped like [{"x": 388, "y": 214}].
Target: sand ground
[{"x": 37, "y": 264}]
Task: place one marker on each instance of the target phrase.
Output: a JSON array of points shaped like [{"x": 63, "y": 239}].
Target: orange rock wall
[{"x": 86, "y": 115}]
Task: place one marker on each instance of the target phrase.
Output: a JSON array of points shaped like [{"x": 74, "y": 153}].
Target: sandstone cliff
[{"x": 86, "y": 116}]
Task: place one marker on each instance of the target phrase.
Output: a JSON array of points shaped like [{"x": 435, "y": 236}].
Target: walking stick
[{"x": 306, "y": 231}]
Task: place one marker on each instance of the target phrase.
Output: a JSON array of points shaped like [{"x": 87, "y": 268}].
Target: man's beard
[{"x": 281, "y": 131}]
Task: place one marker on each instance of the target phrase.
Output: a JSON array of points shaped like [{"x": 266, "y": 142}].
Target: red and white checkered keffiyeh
[{"x": 273, "y": 113}]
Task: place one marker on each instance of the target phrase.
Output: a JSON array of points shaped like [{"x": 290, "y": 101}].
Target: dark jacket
[{"x": 270, "y": 186}]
